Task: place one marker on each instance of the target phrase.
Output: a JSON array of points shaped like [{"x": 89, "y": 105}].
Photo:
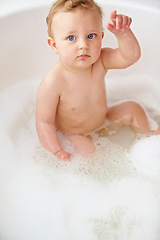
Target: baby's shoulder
[{"x": 54, "y": 76}]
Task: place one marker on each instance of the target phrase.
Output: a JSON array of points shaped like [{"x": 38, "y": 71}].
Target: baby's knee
[
  {"x": 134, "y": 108},
  {"x": 133, "y": 105},
  {"x": 82, "y": 143},
  {"x": 91, "y": 148},
  {"x": 87, "y": 146}
]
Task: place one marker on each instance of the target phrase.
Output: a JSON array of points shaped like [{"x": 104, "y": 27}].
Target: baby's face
[{"x": 78, "y": 37}]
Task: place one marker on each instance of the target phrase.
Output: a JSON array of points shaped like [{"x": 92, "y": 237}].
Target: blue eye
[
  {"x": 71, "y": 38},
  {"x": 91, "y": 36}
]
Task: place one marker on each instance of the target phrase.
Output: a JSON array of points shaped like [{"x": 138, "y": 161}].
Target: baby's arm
[
  {"x": 129, "y": 50},
  {"x": 46, "y": 106}
]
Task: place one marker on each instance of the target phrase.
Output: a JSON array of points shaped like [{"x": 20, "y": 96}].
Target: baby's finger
[
  {"x": 119, "y": 21},
  {"x": 110, "y": 27},
  {"x": 63, "y": 155},
  {"x": 124, "y": 21},
  {"x": 113, "y": 17},
  {"x": 129, "y": 22},
  {"x": 66, "y": 156}
]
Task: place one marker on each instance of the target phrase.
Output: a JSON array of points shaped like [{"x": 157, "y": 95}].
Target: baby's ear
[{"x": 52, "y": 44}]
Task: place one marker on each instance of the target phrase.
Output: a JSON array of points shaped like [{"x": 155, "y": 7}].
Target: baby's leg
[
  {"x": 129, "y": 113},
  {"x": 82, "y": 143},
  {"x": 158, "y": 130}
]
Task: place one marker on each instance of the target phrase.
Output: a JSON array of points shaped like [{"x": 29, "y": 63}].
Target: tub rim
[{"x": 123, "y": 3}]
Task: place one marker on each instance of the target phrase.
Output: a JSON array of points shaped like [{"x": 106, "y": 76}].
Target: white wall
[{"x": 8, "y": 6}]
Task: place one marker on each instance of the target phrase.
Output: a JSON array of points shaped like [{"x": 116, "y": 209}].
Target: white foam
[
  {"x": 145, "y": 156},
  {"x": 113, "y": 194}
]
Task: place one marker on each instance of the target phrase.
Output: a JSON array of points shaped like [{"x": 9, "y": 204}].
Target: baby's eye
[
  {"x": 91, "y": 36},
  {"x": 71, "y": 38}
]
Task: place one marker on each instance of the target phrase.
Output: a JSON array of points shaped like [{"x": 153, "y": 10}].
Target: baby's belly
[{"x": 81, "y": 123}]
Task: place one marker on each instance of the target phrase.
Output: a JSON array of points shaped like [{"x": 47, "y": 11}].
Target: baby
[
  {"x": 158, "y": 130},
  {"x": 72, "y": 96}
]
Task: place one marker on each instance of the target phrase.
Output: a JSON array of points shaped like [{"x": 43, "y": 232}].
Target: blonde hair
[{"x": 67, "y": 6}]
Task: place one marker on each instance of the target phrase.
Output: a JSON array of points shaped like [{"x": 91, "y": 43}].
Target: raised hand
[{"x": 118, "y": 23}]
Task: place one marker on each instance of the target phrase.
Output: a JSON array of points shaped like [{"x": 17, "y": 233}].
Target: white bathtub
[
  {"x": 41, "y": 198},
  {"x": 23, "y": 41},
  {"x": 25, "y": 54}
]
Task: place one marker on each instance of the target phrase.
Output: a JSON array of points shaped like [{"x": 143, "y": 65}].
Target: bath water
[{"x": 113, "y": 194}]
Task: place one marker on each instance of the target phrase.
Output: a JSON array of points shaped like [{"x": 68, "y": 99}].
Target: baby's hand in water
[
  {"x": 119, "y": 24},
  {"x": 63, "y": 155}
]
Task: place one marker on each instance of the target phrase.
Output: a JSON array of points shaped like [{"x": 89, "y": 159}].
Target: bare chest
[{"x": 83, "y": 97}]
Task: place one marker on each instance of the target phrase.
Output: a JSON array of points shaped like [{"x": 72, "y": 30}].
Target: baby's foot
[{"x": 158, "y": 130}]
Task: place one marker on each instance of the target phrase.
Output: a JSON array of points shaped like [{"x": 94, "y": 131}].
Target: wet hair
[{"x": 68, "y": 6}]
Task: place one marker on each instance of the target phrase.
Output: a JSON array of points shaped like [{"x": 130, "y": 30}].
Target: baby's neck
[{"x": 78, "y": 72}]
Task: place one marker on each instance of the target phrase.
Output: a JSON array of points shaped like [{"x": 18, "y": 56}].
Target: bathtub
[
  {"x": 113, "y": 195},
  {"x": 19, "y": 50}
]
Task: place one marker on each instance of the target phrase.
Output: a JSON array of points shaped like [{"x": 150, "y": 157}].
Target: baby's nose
[{"x": 83, "y": 44}]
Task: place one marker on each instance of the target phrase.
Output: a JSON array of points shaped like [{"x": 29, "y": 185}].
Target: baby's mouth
[{"x": 83, "y": 56}]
